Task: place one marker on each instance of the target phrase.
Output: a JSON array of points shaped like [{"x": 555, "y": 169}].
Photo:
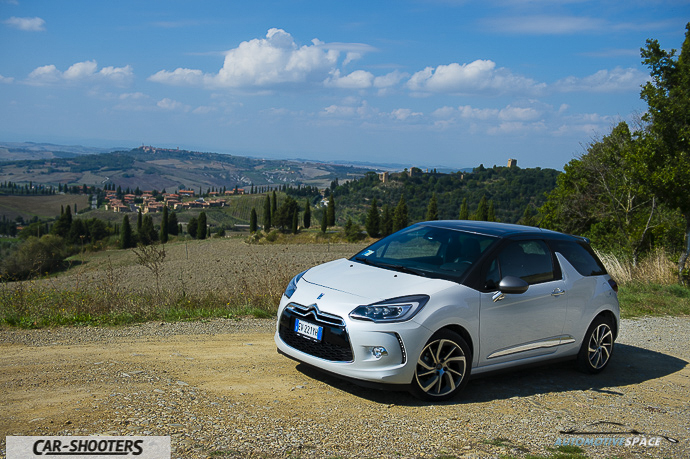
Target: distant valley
[{"x": 159, "y": 168}]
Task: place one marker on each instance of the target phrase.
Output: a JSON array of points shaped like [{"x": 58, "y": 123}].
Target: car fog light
[{"x": 379, "y": 351}]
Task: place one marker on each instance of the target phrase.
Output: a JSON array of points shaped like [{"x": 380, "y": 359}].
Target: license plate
[{"x": 308, "y": 329}]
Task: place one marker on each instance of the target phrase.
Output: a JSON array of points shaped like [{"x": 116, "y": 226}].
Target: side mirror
[{"x": 512, "y": 284}]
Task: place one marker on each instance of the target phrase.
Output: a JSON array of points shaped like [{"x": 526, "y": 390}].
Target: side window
[
  {"x": 581, "y": 256},
  {"x": 528, "y": 260}
]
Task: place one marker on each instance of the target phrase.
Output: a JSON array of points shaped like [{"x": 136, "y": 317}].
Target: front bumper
[{"x": 347, "y": 347}]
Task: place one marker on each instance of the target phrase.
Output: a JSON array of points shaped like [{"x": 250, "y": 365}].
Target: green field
[{"x": 40, "y": 206}]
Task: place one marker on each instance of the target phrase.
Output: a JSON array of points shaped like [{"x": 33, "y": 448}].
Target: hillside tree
[
  {"x": 253, "y": 225},
  {"x": 127, "y": 240},
  {"x": 307, "y": 214},
  {"x": 432, "y": 208},
  {"x": 373, "y": 220},
  {"x": 400, "y": 217},
  {"x": 267, "y": 214},
  {"x": 386, "y": 226},
  {"x": 330, "y": 211},
  {"x": 164, "y": 226},
  {"x": 464, "y": 210},
  {"x": 482, "y": 213},
  {"x": 663, "y": 160},
  {"x": 202, "y": 226}
]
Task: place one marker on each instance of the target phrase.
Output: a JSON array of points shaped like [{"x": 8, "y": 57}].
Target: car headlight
[
  {"x": 393, "y": 310},
  {"x": 292, "y": 286}
]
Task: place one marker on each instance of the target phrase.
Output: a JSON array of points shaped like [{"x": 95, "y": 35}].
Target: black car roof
[{"x": 496, "y": 229}]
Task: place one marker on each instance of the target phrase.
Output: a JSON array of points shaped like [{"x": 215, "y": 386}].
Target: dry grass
[
  {"x": 213, "y": 277},
  {"x": 655, "y": 268}
]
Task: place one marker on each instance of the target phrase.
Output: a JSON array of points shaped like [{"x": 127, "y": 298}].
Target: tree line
[{"x": 628, "y": 190}]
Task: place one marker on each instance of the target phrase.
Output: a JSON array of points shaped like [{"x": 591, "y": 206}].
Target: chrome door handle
[{"x": 558, "y": 292}]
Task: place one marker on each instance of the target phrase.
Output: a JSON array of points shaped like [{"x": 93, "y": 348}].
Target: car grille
[{"x": 335, "y": 341}]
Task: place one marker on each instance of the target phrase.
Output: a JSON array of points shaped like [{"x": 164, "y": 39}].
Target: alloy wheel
[
  {"x": 600, "y": 346},
  {"x": 441, "y": 368}
]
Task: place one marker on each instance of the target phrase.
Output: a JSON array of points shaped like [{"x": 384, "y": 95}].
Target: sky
[{"x": 424, "y": 83}]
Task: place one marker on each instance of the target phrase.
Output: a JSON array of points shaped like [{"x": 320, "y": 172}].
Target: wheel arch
[
  {"x": 460, "y": 330},
  {"x": 611, "y": 318}
]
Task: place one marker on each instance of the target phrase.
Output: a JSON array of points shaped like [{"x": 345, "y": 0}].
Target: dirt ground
[{"x": 220, "y": 390}]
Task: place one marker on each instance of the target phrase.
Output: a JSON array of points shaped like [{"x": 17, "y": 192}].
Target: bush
[{"x": 36, "y": 257}]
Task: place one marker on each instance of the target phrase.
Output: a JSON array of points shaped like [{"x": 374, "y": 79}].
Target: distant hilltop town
[{"x": 151, "y": 149}]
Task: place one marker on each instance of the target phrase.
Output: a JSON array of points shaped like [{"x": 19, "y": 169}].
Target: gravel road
[{"x": 219, "y": 389}]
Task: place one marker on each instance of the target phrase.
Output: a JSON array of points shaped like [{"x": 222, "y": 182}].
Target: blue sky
[{"x": 424, "y": 83}]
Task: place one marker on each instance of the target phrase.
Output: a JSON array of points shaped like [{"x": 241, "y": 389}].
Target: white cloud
[
  {"x": 360, "y": 110},
  {"x": 86, "y": 71},
  {"x": 468, "y": 112},
  {"x": 616, "y": 80},
  {"x": 480, "y": 75},
  {"x": 402, "y": 114},
  {"x": 264, "y": 62},
  {"x": 172, "y": 105},
  {"x": 517, "y": 127},
  {"x": 274, "y": 61},
  {"x": 133, "y": 96},
  {"x": 518, "y": 114},
  {"x": 444, "y": 112},
  {"x": 45, "y": 75},
  {"x": 80, "y": 70},
  {"x": 204, "y": 110},
  {"x": 179, "y": 77},
  {"x": 26, "y": 24},
  {"x": 359, "y": 79},
  {"x": 6, "y": 80},
  {"x": 390, "y": 79}
]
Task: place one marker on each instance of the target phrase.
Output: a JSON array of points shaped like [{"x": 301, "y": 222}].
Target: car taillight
[{"x": 614, "y": 285}]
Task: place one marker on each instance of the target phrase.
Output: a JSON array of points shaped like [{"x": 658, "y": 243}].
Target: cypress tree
[
  {"x": 148, "y": 234},
  {"x": 491, "y": 214},
  {"x": 274, "y": 207},
  {"x": 173, "y": 225},
  {"x": 373, "y": 221},
  {"x": 295, "y": 220},
  {"x": 464, "y": 211},
  {"x": 253, "y": 226},
  {"x": 482, "y": 213},
  {"x": 126, "y": 236},
  {"x": 432, "y": 208},
  {"x": 331, "y": 211},
  {"x": 400, "y": 218},
  {"x": 202, "y": 229},
  {"x": 267, "y": 214},
  {"x": 139, "y": 222},
  {"x": 324, "y": 221},
  {"x": 386, "y": 225},
  {"x": 307, "y": 214},
  {"x": 192, "y": 226},
  {"x": 164, "y": 226}
]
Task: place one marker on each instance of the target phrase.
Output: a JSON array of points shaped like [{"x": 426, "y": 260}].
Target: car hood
[{"x": 369, "y": 283}]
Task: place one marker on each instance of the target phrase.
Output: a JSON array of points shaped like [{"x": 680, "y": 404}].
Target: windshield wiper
[
  {"x": 364, "y": 260},
  {"x": 401, "y": 268}
]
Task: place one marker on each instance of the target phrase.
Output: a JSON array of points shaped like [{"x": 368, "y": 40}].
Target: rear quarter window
[{"x": 581, "y": 256}]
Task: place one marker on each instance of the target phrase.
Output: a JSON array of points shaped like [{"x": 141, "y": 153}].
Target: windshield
[{"x": 427, "y": 251}]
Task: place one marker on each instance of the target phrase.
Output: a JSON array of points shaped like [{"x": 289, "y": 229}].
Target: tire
[
  {"x": 597, "y": 347},
  {"x": 443, "y": 367}
]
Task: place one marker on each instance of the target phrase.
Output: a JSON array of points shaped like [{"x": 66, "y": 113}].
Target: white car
[{"x": 428, "y": 306}]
